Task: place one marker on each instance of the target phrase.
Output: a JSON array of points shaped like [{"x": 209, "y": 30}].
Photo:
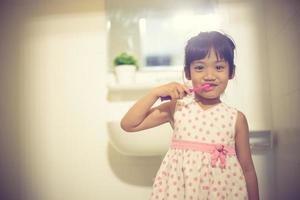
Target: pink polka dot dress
[{"x": 201, "y": 163}]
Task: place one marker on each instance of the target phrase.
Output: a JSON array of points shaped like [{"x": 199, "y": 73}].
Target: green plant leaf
[{"x": 125, "y": 59}]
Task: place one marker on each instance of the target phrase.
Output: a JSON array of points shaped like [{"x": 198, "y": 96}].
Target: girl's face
[{"x": 210, "y": 70}]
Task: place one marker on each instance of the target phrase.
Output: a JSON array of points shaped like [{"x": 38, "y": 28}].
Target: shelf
[{"x": 144, "y": 80}]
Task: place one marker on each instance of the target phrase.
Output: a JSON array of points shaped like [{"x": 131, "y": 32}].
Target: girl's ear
[
  {"x": 233, "y": 73},
  {"x": 187, "y": 73}
]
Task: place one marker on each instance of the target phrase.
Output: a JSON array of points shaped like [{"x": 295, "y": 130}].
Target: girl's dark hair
[{"x": 199, "y": 46}]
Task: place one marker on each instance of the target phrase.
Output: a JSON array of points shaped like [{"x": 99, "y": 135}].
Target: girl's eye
[
  {"x": 219, "y": 67},
  {"x": 199, "y": 68}
]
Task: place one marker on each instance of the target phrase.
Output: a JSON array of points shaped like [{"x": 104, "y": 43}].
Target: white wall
[
  {"x": 53, "y": 70},
  {"x": 63, "y": 89}
]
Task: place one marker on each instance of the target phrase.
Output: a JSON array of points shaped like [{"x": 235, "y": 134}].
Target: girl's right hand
[{"x": 174, "y": 90}]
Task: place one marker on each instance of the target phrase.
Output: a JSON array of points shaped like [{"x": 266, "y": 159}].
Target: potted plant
[{"x": 125, "y": 68}]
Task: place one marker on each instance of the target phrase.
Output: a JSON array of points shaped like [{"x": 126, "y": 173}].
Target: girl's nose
[{"x": 209, "y": 75}]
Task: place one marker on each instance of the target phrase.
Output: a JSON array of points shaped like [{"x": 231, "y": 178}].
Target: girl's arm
[
  {"x": 244, "y": 156},
  {"x": 142, "y": 116}
]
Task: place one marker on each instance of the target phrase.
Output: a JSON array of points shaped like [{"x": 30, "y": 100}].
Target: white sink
[{"x": 150, "y": 142}]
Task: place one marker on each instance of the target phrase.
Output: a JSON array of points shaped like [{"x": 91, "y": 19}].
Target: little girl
[{"x": 209, "y": 156}]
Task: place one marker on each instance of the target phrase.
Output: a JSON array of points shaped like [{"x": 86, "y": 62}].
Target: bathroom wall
[
  {"x": 283, "y": 30},
  {"x": 62, "y": 88}
]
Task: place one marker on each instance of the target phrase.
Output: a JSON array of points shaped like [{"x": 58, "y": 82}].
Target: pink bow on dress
[{"x": 219, "y": 153}]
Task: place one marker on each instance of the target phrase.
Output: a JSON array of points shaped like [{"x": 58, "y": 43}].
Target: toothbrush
[{"x": 195, "y": 89}]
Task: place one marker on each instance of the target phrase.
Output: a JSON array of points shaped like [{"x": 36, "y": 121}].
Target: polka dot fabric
[{"x": 187, "y": 174}]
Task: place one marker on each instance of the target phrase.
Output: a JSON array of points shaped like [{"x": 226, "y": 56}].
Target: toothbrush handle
[{"x": 164, "y": 98}]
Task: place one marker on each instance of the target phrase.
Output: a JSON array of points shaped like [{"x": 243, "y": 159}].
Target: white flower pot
[{"x": 125, "y": 74}]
